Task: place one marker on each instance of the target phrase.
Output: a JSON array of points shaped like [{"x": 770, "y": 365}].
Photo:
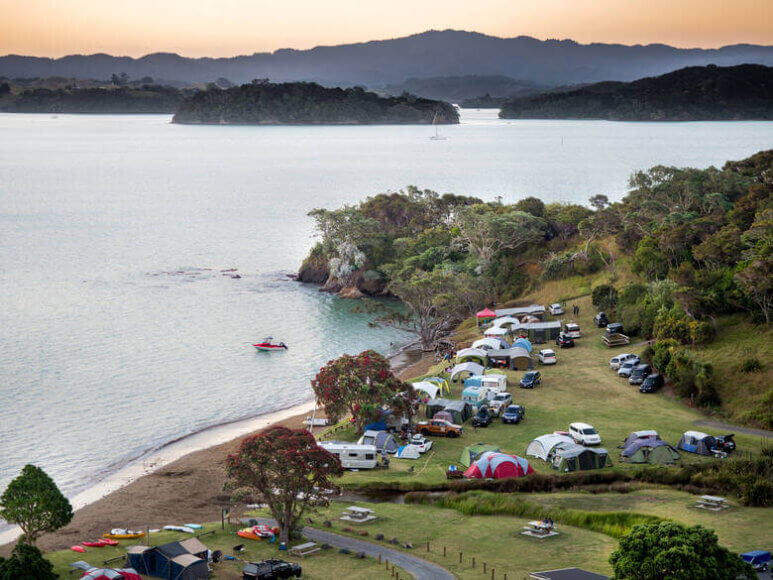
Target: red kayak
[
  {"x": 97, "y": 544},
  {"x": 109, "y": 542},
  {"x": 80, "y": 549}
]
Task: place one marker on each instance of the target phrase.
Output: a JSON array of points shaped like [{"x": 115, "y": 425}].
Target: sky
[{"x": 230, "y": 27}]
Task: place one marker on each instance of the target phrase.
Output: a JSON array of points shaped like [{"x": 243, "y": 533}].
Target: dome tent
[
  {"x": 472, "y": 452},
  {"x": 545, "y": 445},
  {"x": 383, "y": 441},
  {"x": 435, "y": 405},
  {"x": 490, "y": 343},
  {"x": 466, "y": 367},
  {"x": 493, "y": 465},
  {"x": 408, "y": 452},
  {"x": 579, "y": 458},
  {"x": 522, "y": 343},
  {"x": 476, "y": 355},
  {"x": 696, "y": 442},
  {"x": 636, "y": 435},
  {"x": 655, "y": 451}
]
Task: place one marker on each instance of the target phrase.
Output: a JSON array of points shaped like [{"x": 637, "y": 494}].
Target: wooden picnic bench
[
  {"x": 712, "y": 503},
  {"x": 304, "y": 549},
  {"x": 358, "y": 515},
  {"x": 538, "y": 529}
]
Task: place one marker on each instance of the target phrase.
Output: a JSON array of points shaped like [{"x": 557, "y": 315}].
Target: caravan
[
  {"x": 477, "y": 396},
  {"x": 352, "y": 455},
  {"x": 496, "y": 383}
]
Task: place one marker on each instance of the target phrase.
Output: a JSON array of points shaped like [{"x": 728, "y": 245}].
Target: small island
[
  {"x": 264, "y": 103},
  {"x": 699, "y": 93}
]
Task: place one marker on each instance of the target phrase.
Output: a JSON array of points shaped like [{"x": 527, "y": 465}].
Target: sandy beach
[{"x": 154, "y": 492}]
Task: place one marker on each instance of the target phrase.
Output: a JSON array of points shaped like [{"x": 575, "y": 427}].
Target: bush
[
  {"x": 672, "y": 323},
  {"x": 632, "y": 294},
  {"x": 26, "y": 562},
  {"x": 604, "y": 297},
  {"x": 751, "y": 365},
  {"x": 701, "y": 332},
  {"x": 662, "y": 354}
]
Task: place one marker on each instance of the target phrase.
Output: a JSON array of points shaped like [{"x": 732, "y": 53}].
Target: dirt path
[{"x": 734, "y": 428}]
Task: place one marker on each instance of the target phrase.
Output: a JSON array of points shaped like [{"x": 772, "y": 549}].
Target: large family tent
[
  {"x": 490, "y": 343},
  {"x": 186, "y": 560},
  {"x": 476, "y": 355},
  {"x": 655, "y": 451},
  {"x": 696, "y": 442},
  {"x": 443, "y": 416},
  {"x": 466, "y": 367},
  {"x": 522, "y": 343},
  {"x": 515, "y": 358},
  {"x": 493, "y": 465},
  {"x": 533, "y": 310},
  {"x": 381, "y": 439},
  {"x": 541, "y": 332},
  {"x": 545, "y": 445},
  {"x": 579, "y": 458},
  {"x": 408, "y": 452},
  {"x": 426, "y": 389},
  {"x": 637, "y": 435},
  {"x": 434, "y": 406},
  {"x": 440, "y": 382},
  {"x": 472, "y": 452},
  {"x": 461, "y": 411},
  {"x": 508, "y": 322}
]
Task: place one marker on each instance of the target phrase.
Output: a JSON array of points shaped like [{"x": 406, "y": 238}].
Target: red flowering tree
[
  {"x": 361, "y": 385},
  {"x": 286, "y": 469}
]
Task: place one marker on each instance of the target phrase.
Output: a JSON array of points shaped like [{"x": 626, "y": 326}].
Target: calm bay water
[{"x": 119, "y": 332}]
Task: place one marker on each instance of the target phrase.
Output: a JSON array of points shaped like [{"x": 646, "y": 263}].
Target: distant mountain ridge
[
  {"x": 706, "y": 93},
  {"x": 383, "y": 62}
]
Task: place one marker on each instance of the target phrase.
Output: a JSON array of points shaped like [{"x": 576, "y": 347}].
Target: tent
[
  {"x": 473, "y": 381},
  {"x": 490, "y": 343},
  {"x": 498, "y": 466},
  {"x": 111, "y": 574},
  {"x": 444, "y": 416},
  {"x": 536, "y": 310},
  {"x": 435, "y": 405},
  {"x": 188, "y": 567},
  {"x": 516, "y": 358},
  {"x": 440, "y": 382},
  {"x": 139, "y": 558},
  {"x": 544, "y": 445},
  {"x": 579, "y": 458},
  {"x": 506, "y": 322},
  {"x": 475, "y": 355},
  {"x": 408, "y": 452},
  {"x": 496, "y": 331},
  {"x": 541, "y": 332},
  {"x": 381, "y": 439},
  {"x": 696, "y": 442},
  {"x": 175, "y": 560},
  {"x": 522, "y": 343},
  {"x": 466, "y": 367},
  {"x": 650, "y": 450},
  {"x": 472, "y": 452},
  {"x": 636, "y": 435},
  {"x": 485, "y": 314},
  {"x": 461, "y": 411},
  {"x": 430, "y": 390}
]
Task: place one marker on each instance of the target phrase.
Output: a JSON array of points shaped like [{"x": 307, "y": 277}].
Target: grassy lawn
[
  {"x": 581, "y": 387},
  {"x": 321, "y": 565}
]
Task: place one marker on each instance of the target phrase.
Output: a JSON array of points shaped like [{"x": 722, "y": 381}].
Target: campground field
[{"x": 580, "y": 387}]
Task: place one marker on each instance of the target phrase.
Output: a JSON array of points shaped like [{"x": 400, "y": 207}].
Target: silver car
[{"x": 627, "y": 367}]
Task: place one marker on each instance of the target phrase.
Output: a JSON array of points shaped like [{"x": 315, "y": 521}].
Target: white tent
[
  {"x": 466, "y": 367},
  {"x": 506, "y": 321},
  {"x": 426, "y": 387},
  {"x": 408, "y": 452},
  {"x": 471, "y": 351},
  {"x": 543, "y": 445},
  {"x": 496, "y": 331},
  {"x": 487, "y": 343}
]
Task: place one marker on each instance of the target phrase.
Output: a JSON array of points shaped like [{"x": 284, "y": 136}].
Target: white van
[
  {"x": 584, "y": 434},
  {"x": 496, "y": 383},
  {"x": 352, "y": 455},
  {"x": 572, "y": 329}
]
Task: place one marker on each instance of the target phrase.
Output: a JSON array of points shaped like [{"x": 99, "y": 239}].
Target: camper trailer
[
  {"x": 477, "y": 396},
  {"x": 352, "y": 455},
  {"x": 496, "y": 383}
]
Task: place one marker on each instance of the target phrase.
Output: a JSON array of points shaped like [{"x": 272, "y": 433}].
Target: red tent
[
  {"x": 486, "y": 313},
  {"x": 493, "y": 465},
  {"x": 111, "y": 574}
]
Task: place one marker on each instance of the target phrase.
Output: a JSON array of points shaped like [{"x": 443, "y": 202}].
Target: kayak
[
  {"x": 80, "y": 549},
  {"x": 110, "y": 542},
  {"x": 260, "y": 532},
  {"x": 121, "y": 534},
  {"x": 194, "y": 526},
  {"x": 97, "y": 544},
  {"x": 185, "y": 529}
]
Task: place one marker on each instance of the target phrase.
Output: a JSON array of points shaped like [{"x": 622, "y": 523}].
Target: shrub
[
  {"x": 701, "y": 332},
  {"x": 604, "y": 297},
  {"x": 672, "y": 323},
  {"x": 751, "y": 365},
  {"x": 662, "y": 354}
]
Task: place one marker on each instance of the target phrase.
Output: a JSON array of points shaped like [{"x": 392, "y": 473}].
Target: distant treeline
[
  {"x": 708, "y": 93},
  {"x": 265, "y": 103}
]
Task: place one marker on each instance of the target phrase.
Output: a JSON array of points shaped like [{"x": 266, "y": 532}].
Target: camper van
[
  {"x": 352, "y": 455},
  {"x": 496, "y": 383},
  {"x": 572, "y": 329}
]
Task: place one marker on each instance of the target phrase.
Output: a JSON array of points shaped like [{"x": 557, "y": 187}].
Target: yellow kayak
[{"x": 123, "y": 535}]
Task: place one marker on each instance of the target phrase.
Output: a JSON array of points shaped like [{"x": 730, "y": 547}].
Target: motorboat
[{"x": 268, "y": 345}]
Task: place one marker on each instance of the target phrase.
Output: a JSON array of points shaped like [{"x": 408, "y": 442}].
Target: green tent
[
  {"x": 578, "y": 458},
  {"x": 650, "y": 451},
  {"x": 472, "y": 452}
]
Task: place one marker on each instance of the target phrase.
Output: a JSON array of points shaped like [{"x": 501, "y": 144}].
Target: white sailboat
[{"x": 437, "y": 136}]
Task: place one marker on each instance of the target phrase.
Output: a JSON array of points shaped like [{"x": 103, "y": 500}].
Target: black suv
[
  {"x": 482, "y": 418},
  {"x": 564, "y": 340},
  {"x": 651, "y": 384},
  {"x": 601, "y": 319},
  {"x": 724, "y": 443},
  {"x": 271, "y": 570},
  {"x": 639, "y": 373},
  {"x": 531, "y": 380},
  {"x": 614, "y": 328}
]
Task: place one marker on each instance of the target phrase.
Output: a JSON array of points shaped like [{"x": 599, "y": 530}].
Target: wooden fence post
[{"x": 460, "y": 557}]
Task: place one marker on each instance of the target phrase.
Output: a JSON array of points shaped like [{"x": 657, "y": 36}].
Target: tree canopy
[{"x": 26, "y": 563}]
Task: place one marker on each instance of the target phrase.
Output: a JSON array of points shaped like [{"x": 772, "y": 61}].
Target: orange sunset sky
[{"x": 230, "y": 27}]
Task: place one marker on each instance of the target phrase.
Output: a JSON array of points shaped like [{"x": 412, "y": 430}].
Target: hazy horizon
[{"x": 242, "y": 27}]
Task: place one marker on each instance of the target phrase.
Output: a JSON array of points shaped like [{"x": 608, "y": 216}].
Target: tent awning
[{"x": 486, "y": 313}]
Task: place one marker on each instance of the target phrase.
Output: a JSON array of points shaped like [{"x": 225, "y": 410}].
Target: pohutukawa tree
[
  {"x": 362, "y": 385},
  {"x": 33, "y": 502},
  {"x": 285, "y": 469}
]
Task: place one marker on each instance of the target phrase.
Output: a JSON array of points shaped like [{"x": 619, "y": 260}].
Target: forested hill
[
  {"x": 709, "y": 93},
  {"x": 113, "y": 100},
  {"x": 265, "y": 103}
]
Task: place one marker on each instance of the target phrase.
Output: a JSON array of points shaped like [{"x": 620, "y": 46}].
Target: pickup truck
[
  {"x": 438, "y": 427},
  {"x": 270, "y": 570}
]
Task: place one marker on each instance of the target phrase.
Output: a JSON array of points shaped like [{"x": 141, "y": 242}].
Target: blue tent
[{"x": 523, "y": 343}]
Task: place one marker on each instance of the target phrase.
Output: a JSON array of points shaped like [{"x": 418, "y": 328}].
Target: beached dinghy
[
  {"x": 122, "y": 534},
  {"x": 268, "y": 345}
]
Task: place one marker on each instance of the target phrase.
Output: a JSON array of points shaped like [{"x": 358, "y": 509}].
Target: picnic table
[
  {"x": 358, "y": 515},
  {"x": 539, "y": 529},
  {"x": 304, "y": 549},
  {"x": 712, "y": 503}
]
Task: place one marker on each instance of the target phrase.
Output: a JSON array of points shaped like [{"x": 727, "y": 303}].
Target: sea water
[{"x": 123, "y": 325}]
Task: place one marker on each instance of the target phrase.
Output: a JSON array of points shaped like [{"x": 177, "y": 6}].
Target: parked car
[
  {"x": 601, "y": 319},
  {"x": 270, "y": 570},
  {"x": 499, "y": 402},
  {"x": 572, "y": 329},
  {"x": 421, "y": 442},
  {"x": 531, "y": 380},
  {"x": 556, "y": 309},
  {"x": 564, "y": 341},
  {"x": 614, "y": 328},
  {"x": 639, "y": 373},
  {"x": 547, "y": 356},
  {"x": 513, "y": 414},
  {"x": 616, "y": 361},
  {"x": 584, "y": 434},
  {"x": 724, "y": 443},
  {"x": 439, "y": 427},
  {"x": 651, "y": 384},
  {"x": 482, "y": 418},
  {"x": 626, "y": 368}
]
